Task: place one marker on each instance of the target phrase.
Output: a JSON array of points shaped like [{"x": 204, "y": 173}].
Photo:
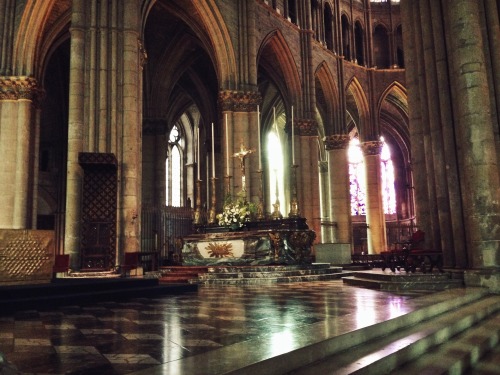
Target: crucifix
[{"x": 242, "y": 155}]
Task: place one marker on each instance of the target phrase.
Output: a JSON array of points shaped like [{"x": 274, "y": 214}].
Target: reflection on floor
[{"x": 143, "y": 333}]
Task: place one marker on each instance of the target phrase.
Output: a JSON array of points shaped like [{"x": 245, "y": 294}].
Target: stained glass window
[{"x": 357, "y": 179}]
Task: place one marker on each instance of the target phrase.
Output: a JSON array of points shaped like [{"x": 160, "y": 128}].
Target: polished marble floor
[{"x": 149, "y": 335}]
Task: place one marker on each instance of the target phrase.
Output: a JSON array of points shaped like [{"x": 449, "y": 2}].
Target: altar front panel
[{"x": 258, "y": 247}]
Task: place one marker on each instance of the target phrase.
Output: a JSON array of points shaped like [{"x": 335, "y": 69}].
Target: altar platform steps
[
  {"x": 378, "y": 279},
  {"x": 454, "y": 336},
  {"x": 69, "y": 290},
  {"x": 251, "y": 275}
]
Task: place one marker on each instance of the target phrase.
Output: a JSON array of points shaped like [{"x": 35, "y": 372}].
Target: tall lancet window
[
  {"x": 387, "y": 171},
  {"x": 357, "y": 179},
  {"x": 173, "y": 169},
  {"x": 276, "y": 171}
]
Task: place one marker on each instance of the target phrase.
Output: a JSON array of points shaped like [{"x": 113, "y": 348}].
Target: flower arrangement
[{"x": 235, "y": 213}]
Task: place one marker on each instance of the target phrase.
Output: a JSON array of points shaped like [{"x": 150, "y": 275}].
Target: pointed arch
[
  {"x": 32, "y": 37},
  {"x": 327, "y": 99},
  {"x": 357, "y": 108},
  {"x": 210, "y": 27},
  {"x": 276, "y": 43}
]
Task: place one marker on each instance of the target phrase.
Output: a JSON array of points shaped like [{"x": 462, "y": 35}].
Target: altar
[{"x": 285, "y": 241}]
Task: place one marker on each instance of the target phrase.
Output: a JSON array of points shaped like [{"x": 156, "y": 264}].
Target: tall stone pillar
[
  {"x": 340, "y": 201},
  {"x": 307, "y": 177},
  {"x": 131, "y": 143},
  {"x": 475, "y": 128},
  {"x": 74, "y": 180},
  {"x": 17, "y": 138},
  {"x": 375, "y": 219}
]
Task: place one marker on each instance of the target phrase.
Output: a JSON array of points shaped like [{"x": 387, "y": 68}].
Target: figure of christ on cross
[{"x": 241, "y": 155}]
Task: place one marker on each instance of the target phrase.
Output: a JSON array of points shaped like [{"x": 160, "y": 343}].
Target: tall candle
[
  {"x": 227, "y": 148},
  {"x": 258, "y": 130},
  {"x": 198, "y": 151},
  {"x": 293, "y": 143},
  {"x": 213, "y": 152}
]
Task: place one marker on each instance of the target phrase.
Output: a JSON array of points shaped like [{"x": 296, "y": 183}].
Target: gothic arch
[
  {"x": 288, "y": 76},
  {"x": 211, "y": 29},
  {"x": 34, "y": 38},
  {"x": 327, "y": 99},
  {"x": 357, "y": 108}
]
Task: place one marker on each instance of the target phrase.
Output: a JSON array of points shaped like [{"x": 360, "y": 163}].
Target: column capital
[
  {"x": 239, "y": 101},
  {"x": 18, "y": 87},
  {"x": 306, "y": 127},
  {"x": 371, "y": 148},
  {"x": 336, "y": 142}
]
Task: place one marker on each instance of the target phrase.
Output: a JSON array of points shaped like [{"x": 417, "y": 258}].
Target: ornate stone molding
[
  {"x": 371, "y": 148},
  {"x": 306, "y": 127},
  {"x": 239, "y": 101},
  {"x": 336, "y": 142},
  {"x": 18, "y": 87}
]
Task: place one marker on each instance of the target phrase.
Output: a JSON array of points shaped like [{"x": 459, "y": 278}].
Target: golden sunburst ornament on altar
[{"x": 220, "y": 250}]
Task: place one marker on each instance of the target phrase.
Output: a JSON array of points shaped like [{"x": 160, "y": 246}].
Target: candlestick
[
  {"x": 213, "y": 152},
  {"x": 227, "y": 148},
  {"x": 258, "y": 130},
  {"x": 293, "y": 142},
  {"x": 198, "y": 151}
]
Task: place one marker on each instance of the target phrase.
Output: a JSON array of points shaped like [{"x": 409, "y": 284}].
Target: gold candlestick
[
  {"x": 212, "y": 212},
  {"x": 260, "y": 205},
  {"x": 294, "y": 204},
  {"x": 227, "y": 188},
  {"x": 197, "y": 210},
  {"x": 277, "y": 213}
]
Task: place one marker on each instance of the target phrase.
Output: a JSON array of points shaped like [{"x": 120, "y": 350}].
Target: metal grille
[
  {"x": 161, "y": 226},
  {"x": 98, "y": 211},
  {"x": 26, "y": 255}
]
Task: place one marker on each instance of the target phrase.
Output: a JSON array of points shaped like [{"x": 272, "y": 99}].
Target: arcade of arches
[{"x": 160, "y": 94}]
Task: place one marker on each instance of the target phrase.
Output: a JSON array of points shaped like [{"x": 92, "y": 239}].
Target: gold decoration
[{"x": 220, "y": 250}]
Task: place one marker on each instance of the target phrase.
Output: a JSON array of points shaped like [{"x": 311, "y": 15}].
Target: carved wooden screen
[{"x": 98, "y": 236}]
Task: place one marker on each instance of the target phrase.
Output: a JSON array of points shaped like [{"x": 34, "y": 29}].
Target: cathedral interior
[{"x": 336, "y": 129}]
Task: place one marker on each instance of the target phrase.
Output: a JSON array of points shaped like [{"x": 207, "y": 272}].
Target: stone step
[
  {"x": 403, "y": 281},
  {"x": 324, "y": 340},
  {"x": 465, "y": 351},
  {"x": 269, "y": 274},
  {"x": 269, "y": 280},
  {"x": 397, "y": 350}
]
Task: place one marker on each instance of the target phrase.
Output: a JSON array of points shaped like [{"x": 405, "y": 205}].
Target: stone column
[
  {"x": 131, "y": 147},
  {"x": 475, "y": 129},
  {"x": 340, "y": 199},
  {"x": 324, "y": 192},
  {"x": 375, "y": 219},
  {"x": 17, "y": 139},
  {"x": 307, "y": 176},
  {"x": 75, "y": 135}
]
